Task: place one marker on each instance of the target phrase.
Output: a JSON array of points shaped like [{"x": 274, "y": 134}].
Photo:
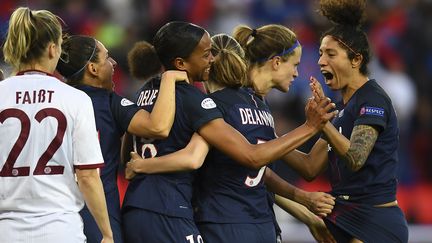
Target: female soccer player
[
  {"x": 165, "y": 199},
  {"x": 86, "y": 64},
  {"x": 231, "y": 200},
  {"x": 48, "y": 136},
  {"x": 360, "y": 147}
]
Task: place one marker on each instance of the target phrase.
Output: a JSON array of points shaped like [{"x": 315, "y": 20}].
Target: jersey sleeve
[
  {"x": 373, "y": 109},
  {"x": 86, "y": 148},
  {"x": 200, "y": 108},
  {"x": 123, "y": 111}
]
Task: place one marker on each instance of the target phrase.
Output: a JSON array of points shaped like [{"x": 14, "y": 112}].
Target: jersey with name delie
[
  {"x": 113, "y": 115},
  {"x": 375, "y": 182},
  {"x": 47, "y": 129},
  {"x": 170, "y": 193},
  {"x": 228, "y": 192}
]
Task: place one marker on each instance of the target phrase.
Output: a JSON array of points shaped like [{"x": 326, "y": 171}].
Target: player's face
[
  {"x": 105, "y": 67},
  {"x": 287, "y": 72},
  {"x": 198, "y": 63},
  {"x": 334, "y": 64}
]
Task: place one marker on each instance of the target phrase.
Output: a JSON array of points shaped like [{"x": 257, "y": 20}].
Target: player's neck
[{"x": 35, "y": 67}]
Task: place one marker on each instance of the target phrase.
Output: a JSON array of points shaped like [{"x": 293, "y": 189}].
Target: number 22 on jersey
[{"x": 41, "y": 168}]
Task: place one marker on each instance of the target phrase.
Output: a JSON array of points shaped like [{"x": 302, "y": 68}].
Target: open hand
[
  {"x": 316, "y": 88},
  {"x": 318, "y": 113}
]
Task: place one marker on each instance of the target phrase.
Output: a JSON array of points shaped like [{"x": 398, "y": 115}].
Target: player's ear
[
  {"x": 179, "y": 64},
  {"x": 275, "y": 62},
  {"x": 52, "y": 49},
  {"x": 92, "y": 68}
]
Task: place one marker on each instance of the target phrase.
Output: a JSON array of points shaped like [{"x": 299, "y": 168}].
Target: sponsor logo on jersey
[
  {"x": 126, "y": 102},
  {"x": 208, "y": 103},
  {"x": 374, "y": 111}
]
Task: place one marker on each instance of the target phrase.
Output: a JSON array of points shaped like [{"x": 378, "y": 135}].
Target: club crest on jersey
[
  {"x": 126, "y": 102},
  {"x": 208, "y": 103},
  {"x": 375, "y": 111}
]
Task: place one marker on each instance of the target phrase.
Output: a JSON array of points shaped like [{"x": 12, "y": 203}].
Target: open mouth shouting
[{"x": 327, "y": 75}]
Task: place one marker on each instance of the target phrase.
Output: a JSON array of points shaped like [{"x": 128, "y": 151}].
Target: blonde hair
[
  {"x": 265, "y": 42},
  {"x": 229, "y": 68},
  {"x": 28, "y": 35}
]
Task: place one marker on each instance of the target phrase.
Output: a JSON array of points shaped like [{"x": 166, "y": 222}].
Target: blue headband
[{"x": 283, "y": 53}]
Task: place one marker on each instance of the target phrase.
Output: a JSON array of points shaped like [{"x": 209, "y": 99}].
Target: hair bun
[{"x": 344, "y": 12}]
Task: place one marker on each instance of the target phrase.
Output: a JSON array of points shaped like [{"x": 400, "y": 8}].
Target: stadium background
[{"x": 400, "y": 33}]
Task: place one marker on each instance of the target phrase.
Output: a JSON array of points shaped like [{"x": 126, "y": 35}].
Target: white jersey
[{"x": 47, "y": 129}]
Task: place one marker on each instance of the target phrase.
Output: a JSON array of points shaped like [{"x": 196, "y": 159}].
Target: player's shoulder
[{"x": 372, "y": 91}]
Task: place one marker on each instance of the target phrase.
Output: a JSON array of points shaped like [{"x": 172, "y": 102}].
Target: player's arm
[
  {"x": 309, "y": 165},
  {"x": 356, "y": 150},
  {"x": 189, "y": 158},
  {"x": 91, "y": 187},
  {"x": 315, "y": 224},
  {"x": 126, "y": 147},
  {"x": 231, "y": 142},
  {"x": 158, "y": 123},
  {"x": 318, "y": 202}
]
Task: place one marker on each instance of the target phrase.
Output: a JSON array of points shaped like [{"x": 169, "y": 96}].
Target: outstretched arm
[
  {"x": 228, "y": 140},
  {"x": 309, "y": 165},
  {"x": 318, "y": 202},
  {"x": 354, "y": 151},
  {"x": 189, "y": 158},
  {"x": 315, "y": 224},
  {"x": 158, "y": 123}
]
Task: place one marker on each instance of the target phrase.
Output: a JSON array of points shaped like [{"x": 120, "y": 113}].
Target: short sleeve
[
  {"x": 200, "y": 109},
  {"x": 86, "y": 148},
  {"x": 373, "y": 109},
  {"x": 123, "y": 111}
]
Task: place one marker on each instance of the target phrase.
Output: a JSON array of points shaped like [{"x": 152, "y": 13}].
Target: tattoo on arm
[{"x": 362, "y": 140}]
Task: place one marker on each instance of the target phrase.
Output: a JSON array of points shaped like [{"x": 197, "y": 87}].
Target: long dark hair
[
  {"x": 77, "y": 51},
  {"x": 348, "y": 17},
  {"x": 174, "y": 39}
]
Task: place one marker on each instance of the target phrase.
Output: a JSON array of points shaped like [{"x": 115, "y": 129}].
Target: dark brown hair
[
  {"x": 77, "y": 51},
  {"x": 263, "y": 43},
  {"x": 348, "y": 17}
]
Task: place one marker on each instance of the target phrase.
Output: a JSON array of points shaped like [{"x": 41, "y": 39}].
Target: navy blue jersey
[
  {"x": 228, "y": 192},
  {"x": 375, "y": 182},
  {"x": 170, "y": 193},
  {"x": 113, "y": 115}
]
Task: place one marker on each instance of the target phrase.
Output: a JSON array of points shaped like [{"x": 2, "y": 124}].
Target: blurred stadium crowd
[{"x": 399, "y": 30}]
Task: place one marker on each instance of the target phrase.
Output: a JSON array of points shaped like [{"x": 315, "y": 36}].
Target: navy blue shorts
[
  {"x": 367, "y": 223},
  {"x": 235, "y": 233},
  {"x": 143, "y": 226},
  {"x": 91, "y": 229}
]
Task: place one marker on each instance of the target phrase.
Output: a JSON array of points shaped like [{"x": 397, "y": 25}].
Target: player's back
[{"x": 39, "y": 144}]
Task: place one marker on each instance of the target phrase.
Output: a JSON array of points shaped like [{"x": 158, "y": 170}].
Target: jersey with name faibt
[
  {"x": 47, "y": 129},
  {"x": 375, "y": 182},
  {"x": 170, "y": 193},
  {"x": 228, "y": 192}
]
